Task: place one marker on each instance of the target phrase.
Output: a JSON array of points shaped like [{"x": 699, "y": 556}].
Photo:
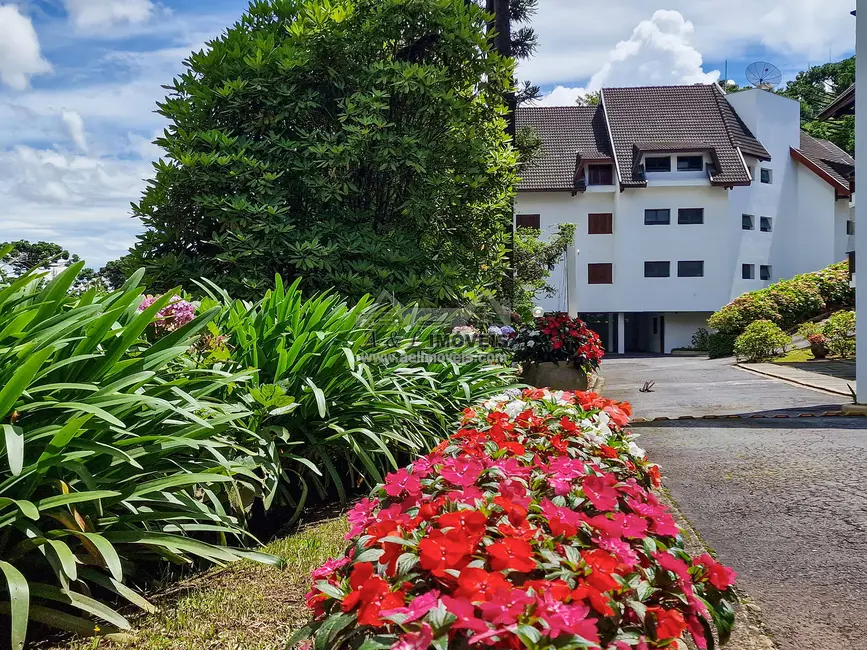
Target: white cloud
[
  {"x": 658, "y": 53},
  {"x": 562, "y": 96},
  {"x": 93, "y": 14},
  {"x": 20, "y": 55},
  {"x": 75, "y": 127}
]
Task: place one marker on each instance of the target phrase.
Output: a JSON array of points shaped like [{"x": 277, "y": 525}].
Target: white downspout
[{"x": 861, "y": 208}]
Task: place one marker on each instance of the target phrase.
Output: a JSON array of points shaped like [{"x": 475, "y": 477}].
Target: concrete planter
[{"x": 550, "y": 375}]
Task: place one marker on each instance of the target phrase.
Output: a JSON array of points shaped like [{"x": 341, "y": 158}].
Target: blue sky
[{"x": 79, "y": 80}]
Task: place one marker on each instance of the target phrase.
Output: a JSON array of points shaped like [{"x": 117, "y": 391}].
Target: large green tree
[
  {"x": 360, "y": 144},
  {"x": 815, "y": 89}
]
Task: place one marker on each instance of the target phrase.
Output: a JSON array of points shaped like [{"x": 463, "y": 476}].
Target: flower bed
[
  {"x": 534, "y": 526},
  {"x": 557, "y": 338}
]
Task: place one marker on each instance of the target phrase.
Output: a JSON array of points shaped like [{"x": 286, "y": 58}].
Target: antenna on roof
[{"x": 764, "y": 75}]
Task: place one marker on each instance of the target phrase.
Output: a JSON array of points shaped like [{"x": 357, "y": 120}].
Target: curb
[
  {"x": 751, "y": 416},
  {"x": 797, "y": 382}
]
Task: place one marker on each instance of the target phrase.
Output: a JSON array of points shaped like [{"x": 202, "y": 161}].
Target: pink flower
[
  {"x": 462, "y": 471},
  {"x": 417, "y": 608},
  {"x": 721, "y": 577},
  {"x": 402, "y": 481},
  {"x": 420, "y": 640},
  {"x": 561, "y": 618},
  {"x": 360, "y": 516},
  {"x": 466, "y": 613},
  {"x": 330, "y": 567},
  {"x": 506, "y": 607},
  {"x": 600, "y": 491}
]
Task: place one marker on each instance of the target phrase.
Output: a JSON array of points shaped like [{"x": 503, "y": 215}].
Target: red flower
[
  {"x": 511, "y": 554},
  {"x": 471, "y": 523},
  {"x": 718, "y": 575},
  {"x": 602, "y": 565},
  {"x": 442, "y": 551},
  {"x": 600, "y": 491},
  {"x": 477, "y": 585},
  {"x": 670, "y": 623}
]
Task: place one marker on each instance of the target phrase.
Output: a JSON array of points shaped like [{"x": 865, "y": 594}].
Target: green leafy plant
[
  {"x": 115, "y": 453},
  {"x": 761, "y": 341},
  {"x": 701, "y": 340},
  {"x": 360, "y": 144},
  {"x": 534, "y": 259},
  {"x": 721, "y": 345},
  {"x": 840, "y": 334},
  {"x": 789, "y": 302},
  {"x": 343, "y": 390}
]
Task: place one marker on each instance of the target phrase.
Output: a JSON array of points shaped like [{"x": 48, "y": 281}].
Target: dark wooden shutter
[
  {"x": 600, "y": 274},
  {"x": 527, "y": 221},
  {"x": 600, "y": 223}
]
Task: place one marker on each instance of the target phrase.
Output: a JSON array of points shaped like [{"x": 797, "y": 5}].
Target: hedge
[
  {"x": 534, "y": 526},
  {"x": 789, "y": 302}
]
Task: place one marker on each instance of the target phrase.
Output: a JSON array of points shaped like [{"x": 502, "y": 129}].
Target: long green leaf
[{"x": 19, "y": 598}]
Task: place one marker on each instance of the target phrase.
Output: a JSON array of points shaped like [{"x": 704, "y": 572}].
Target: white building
[{"x": 684, "y": 198}]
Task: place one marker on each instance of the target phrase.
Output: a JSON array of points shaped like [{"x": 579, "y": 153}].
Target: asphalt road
[
  {"x": 783, "y": 501},
  {"x": 699, "y": 386}
]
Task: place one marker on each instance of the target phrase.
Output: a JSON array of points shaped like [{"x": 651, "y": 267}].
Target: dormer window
[
  {"x": 657, "y": 164},
  {"x": 600, "y": 175},
  {"x": 690, "y": 163}
]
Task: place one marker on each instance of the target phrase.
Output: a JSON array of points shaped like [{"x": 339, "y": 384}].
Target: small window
[
  {"x": 690, "y": 163},
  {"x": 766, "y": 224},
  {"x": 851, "y": 257},
  {"x": 690, "y": 269},
  {"x": 657, "y": 217},
  {"x": 600, "y": 175},
  {"x": 850, "y": 228},
  {"x": 655, "y": 325},
  {"x": 748, "y": 222},
  {"x": 600, "y": 274},
  {"x": 527, "y": 221},
  {"x": 748, "y": 271},
  {"x": 600, "y": 223},
  {"x": 765, "y": 272},
  {"x": 767, "y": 176},
  {"x": 657, "y": 269},
  {"x": 657, "y": 164},
  {"x": 690, "y": 216}
]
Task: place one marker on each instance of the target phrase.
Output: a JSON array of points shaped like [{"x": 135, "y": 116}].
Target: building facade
[{"x": 683, "y": 199}]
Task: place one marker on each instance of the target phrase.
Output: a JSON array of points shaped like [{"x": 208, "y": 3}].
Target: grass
[
  {"x": 797, "y": 355},
  {"x": 244, "y": 606}
]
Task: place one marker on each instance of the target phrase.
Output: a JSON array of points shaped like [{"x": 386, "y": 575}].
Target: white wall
[
  {"x": 680, "y": 328},
  {"x": 841, "y": 239},
  {"x": 814, "y": 237}
]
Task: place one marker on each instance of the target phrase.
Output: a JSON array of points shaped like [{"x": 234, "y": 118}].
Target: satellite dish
[{"x": 764, "y": 75}]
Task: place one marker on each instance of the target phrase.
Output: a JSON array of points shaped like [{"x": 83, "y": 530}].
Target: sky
[{"x": 79, "y": 82}]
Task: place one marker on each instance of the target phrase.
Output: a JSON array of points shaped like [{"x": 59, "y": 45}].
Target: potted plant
[
  {"x": 818, "y": 345},
  {"x": 557, "y": 352}
]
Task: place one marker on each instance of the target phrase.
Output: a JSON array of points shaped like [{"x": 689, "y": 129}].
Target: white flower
[
  {"x": 531, "y": 344},
  {"x": 514, "y": 409},
  {"x": 636, "y": 451}
]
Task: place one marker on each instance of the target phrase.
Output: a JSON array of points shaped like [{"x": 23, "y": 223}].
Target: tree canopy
[{"x": 359, "y": 144}]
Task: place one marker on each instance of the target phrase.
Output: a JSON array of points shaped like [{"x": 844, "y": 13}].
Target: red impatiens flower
[
  {"x": 470, "y": 523},
  {"x": 371, "y": 594},
  {"x": 478, "y": 585},
  {"x": 511, "y": 554},
  {"x": 600, "y": 491},
  {"x": 721, "y": 577},
  {"x": 442, "y": 551},
  {"x": 670, "y": 623}
]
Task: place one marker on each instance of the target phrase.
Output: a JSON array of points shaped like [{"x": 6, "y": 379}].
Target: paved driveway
[
  {"x": 700, "y": 386},
  {"x": 782, "y": 501}
]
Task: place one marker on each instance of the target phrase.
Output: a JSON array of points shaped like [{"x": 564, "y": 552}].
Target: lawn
[
  {"x": 798, "y": 355},
  {"x": 243, "y": 606}
]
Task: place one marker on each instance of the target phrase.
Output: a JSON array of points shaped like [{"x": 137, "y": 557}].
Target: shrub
[
  {"x": 762, "y": 340},
  {"x": 788, "y": 302},
  {"x": 117, "y": 454},
  {"x": 701, "y": 340},
  {"x": 559, "y": 338},
  {"x": 534, "y": 526},
  {"x": 840, "y": 333},
  {"x": 721, "y": 345},
  {"x": 345, "y": 389}
]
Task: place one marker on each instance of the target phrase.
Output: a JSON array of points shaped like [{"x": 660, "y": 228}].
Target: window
[
  {"x": 600, "y": 223},
  {"x": 765, "y": 272},
  {"x": 851, "y": 256},
  {"x": 527, "y": 221},
  {"x": 655, "y": 325},
  {"x": 600, "y": 274},
  {"x": 748, "y": 222},
  {"x": 748, "y": 271},
  {"x": 766, "y": 225},
  {"x": 600, "y": 175},
  {"x": 657, "y": 269},
  {"x": 657, "y": 164},
  {"x": 690, "y": 216},
  {"x": 657, "y": 217},
  {"x": 767, "y": 176},
  {"x": 850, "y": 227},
  {"x": 690, "y": 269},
  {"x": 690, "y": 163}
]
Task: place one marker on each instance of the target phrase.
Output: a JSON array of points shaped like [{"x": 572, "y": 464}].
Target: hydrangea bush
[
  {"x": 534, "y": 526},
  {"x": 557, "y": 337},
  {"x": 173, "y": 316}
]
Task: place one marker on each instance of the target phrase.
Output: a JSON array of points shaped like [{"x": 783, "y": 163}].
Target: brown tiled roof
[
  {"x": 568, "y": 133},
  {"x": 679, "y": 116},
  {"x": 843, "y": 104},
  {"x": 827, "y": 160}
]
